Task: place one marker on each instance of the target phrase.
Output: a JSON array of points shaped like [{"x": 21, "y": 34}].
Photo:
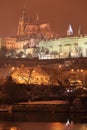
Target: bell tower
[{"x": 22, "y": 23}]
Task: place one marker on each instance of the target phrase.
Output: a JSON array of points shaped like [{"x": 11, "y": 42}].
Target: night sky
[{"x": 58, "y": 13}]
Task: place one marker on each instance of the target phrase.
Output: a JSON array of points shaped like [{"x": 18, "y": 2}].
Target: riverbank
[
  {"x": 44, "y": 106},
  {"x": 50, "y": 106}
]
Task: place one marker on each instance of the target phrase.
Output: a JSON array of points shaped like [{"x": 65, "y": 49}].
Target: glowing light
[
  {"x": 13, "y": 68},
  {"x": 72, "y": 70},
  {"x": 60, "y": 66},
  {"x": 22, "y": 65},
  {"x": 17, "y": 68},
  {"x": 13, "y": 128},
  {"x": 82, "y": 70},
  {"x": 77, "y": 70}
]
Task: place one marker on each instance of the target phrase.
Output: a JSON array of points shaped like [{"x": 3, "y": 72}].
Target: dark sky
[{"x": 58, "y": 13}]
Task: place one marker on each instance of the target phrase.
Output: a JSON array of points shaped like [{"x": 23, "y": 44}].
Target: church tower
[
  {"x": 37, "y": 19},
  {"x": 22, "y": 23},
  {"x": 70, "y": 30},
  {"x": 80, "y": 33}
]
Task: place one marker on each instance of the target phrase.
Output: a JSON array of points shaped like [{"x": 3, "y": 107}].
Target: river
[{"x": 42, "y": 121}]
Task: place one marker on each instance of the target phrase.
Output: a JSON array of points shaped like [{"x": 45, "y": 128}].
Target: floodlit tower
[
  {"x": 70, "y": 30},
  {"x": 79, "y": 31},
  {"x": 37, "y": 19},
  {"x": 22, "y": 23}
]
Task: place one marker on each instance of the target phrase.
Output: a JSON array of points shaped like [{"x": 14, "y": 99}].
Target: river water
[{"x": 42, "y": 121}]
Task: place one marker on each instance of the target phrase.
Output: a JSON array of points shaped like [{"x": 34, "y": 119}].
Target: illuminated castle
[
  {"x": 38, "y": 40},
  {"x": 26, "y": 27},
  {"x": 35, "y": 40}
]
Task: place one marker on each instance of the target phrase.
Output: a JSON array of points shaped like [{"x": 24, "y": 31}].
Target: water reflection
[
  {"x": 43, "y": 117},
  {"x": 40, "y": 126},
  {"x": 42, "y": 121},
  {"x": 13, "y": 128}
]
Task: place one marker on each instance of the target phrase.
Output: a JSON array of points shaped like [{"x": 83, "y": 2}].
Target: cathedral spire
[
  {"x": 37, "y": 19},
  {"x": 70, "y": 30},
  {"x": 22, "y": 23},
  {"x": 79, "y": 31},
  {"x": 24, "y": 16}
]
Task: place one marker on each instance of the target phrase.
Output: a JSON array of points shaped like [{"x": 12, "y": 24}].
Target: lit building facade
[
  {"x": 29, "y": 35},
  {"x": 38, "y": 40},
  {"x": 63, "y": 48},
  {"x": 31, "y": 76},
  {"x": 10, "y": 43}
]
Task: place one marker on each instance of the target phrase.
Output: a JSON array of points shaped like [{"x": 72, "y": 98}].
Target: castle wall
[{"x": 65, "y": 47}]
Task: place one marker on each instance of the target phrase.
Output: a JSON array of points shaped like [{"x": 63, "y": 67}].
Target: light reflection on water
[
  {"x": 40, "y": 126},
  {"x": 42, "y": 121}
]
